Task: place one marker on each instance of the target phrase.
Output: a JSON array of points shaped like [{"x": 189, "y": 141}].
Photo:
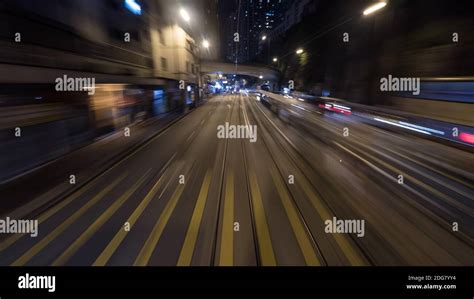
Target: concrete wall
[{"x": 457, "y": 113}]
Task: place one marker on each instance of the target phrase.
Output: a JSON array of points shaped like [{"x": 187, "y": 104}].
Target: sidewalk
[{"x": 50, "y": 182}]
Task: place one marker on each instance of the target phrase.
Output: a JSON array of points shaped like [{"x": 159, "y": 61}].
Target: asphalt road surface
[{"x": 188, "y": 197}]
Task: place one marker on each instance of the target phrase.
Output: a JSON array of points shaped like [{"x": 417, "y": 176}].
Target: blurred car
[{"x": 336, "y": 108}]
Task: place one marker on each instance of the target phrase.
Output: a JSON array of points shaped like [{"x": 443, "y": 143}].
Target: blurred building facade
[
  {"x": 293, "y": 14},
  {"x": 106, "y": 37},
  {"x": 94, "y": 36},
  {"x": 137, "y": 52},
  {"x": 407, "y": 39},
  {"x": 252, "y": 20}
]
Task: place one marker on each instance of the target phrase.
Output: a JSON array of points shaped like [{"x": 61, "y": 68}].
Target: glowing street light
[
  {"x": 275, "y": 59},
  {"x": 264, "y": 37},
  {"x": 260, "y": 77},
  {"x": 133, "y": 6},
  {"x": 185, "y": 15},
  {"x": 205, "y": 44},
  {"x": 374, "y": 8},
  {"x": 299, "y": 51}
]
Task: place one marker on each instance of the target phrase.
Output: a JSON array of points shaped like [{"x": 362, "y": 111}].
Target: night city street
[
  {"x": 235, "y": 181},
  {"x": 237, "y": 133}
]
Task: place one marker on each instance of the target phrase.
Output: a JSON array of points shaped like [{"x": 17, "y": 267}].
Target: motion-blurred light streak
[{"x": 401, "y": 126}]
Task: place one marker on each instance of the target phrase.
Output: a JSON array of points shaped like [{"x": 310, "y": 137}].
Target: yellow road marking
[
  {"x": 353, "y": 257},
  {"x": 226, "y": 257},
  {"x": 98, "y": 223},
  {"x": 189, "y": 244},
  {"x": 63, "y": 226},
  {"x": 8, "y": 242},
  {"x": 117, "y": 240},
  {"x": 296, "y": 224},
  {"x": 150, "y": 244},
  {"x": 47, "y": 214},
  {"x": 263, "y": 234}
]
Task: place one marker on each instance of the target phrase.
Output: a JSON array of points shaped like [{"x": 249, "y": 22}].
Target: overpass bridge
[{"x": 212, "y": 67}]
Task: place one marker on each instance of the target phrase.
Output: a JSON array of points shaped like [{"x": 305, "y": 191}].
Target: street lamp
[
  {"x": 260, "y": 77},
  {"x": 275, "y": 59},
  {"x": 205, "y": 44},
  {"x": 374, "y": 8},
  {"x": 264, "y": 37},
  {"x": 299, "y": 51},
  {"x": 184, "y": 14}
]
